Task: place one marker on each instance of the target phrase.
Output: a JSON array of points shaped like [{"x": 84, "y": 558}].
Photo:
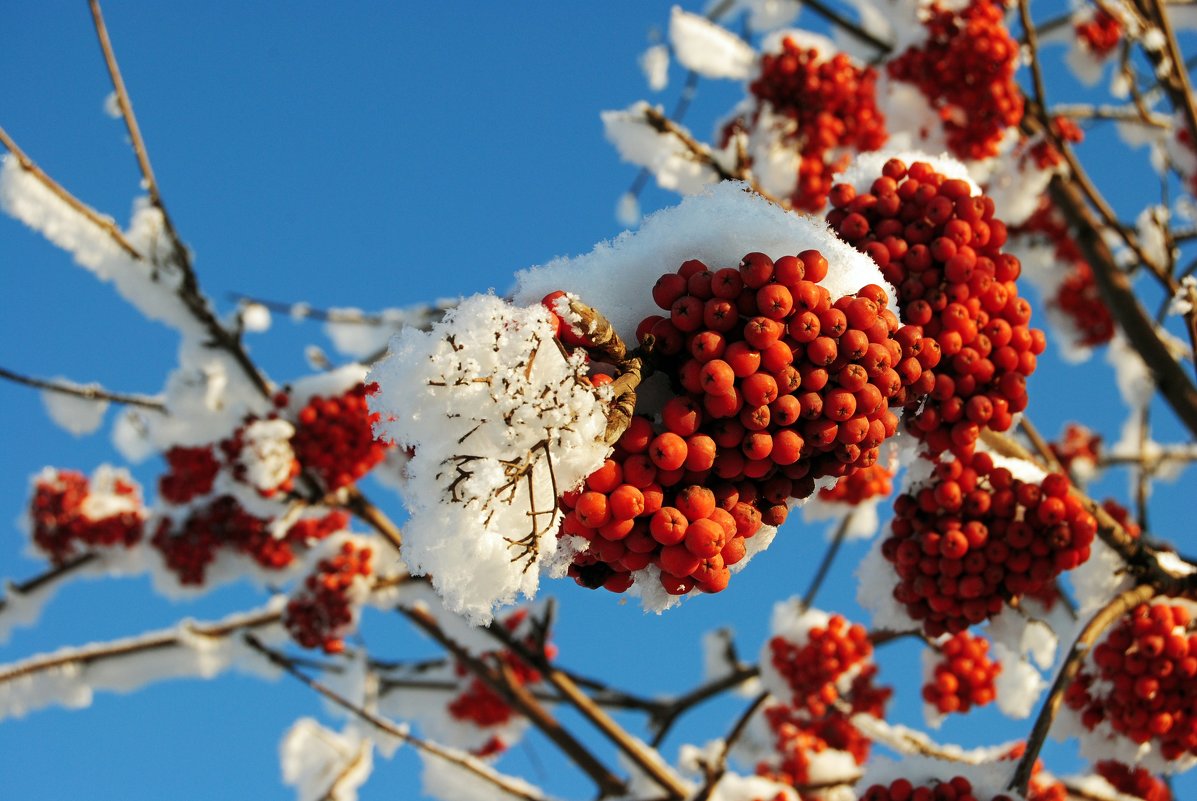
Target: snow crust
[
  {"x": 709, "y": 49},
  {"x": 500, "y": 423},
  {"x": 663, "y": 154},
  {"x": 185, "y": 653},
  {"x": 72, "y": 413},
  {"x": 323, "y": 764},
  {"x": 719, "y": 227}
]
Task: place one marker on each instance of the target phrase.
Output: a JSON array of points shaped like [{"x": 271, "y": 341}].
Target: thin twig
[
  {"x": 664, "y": 722},
  {"x": 646, "y": 759},
  {"x": 48, "y": 577},
  {"x": 386, "y": 726},
  {"x": 104, "y": 223},
  {"x": 511, "y": 691},
  {"x": 716, "y": 772},
  {"x": 100, "y": 652},
  {"x": 841, "y": 533},
  {"x": 87, "y": 393},
  {"x": 1080, "y": 648}
]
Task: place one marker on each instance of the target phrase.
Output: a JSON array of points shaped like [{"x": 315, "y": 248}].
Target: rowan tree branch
[
  {"x": 85, "y": 392},
  {"x": 1115, "y": 609},
  {"x": 287, "y": 665},
  {"x": 521, "y": 700}
]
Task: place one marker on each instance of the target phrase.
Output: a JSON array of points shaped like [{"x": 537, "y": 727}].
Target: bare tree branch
[{"x": 85, "y": 392}]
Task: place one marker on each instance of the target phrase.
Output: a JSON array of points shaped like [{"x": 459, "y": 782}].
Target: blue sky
[{"x": 376, "y": 155}]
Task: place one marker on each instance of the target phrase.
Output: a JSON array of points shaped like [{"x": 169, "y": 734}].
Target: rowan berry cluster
[
  {"x": 956, "y": 788},
  {"x": 965, "y": 69},
  {"x": 323, "y": 611},
  {"x": 860, "y": 486},
  {"x": 830, "y": 108},
  {"x": 1100, "y": 34},
  {"x": 812, "y": 667},
  {"x": 1141, "y": 680},
  {"x": 787, "y": 381},
  {"x": 68, "y": 514},
  {"x": 941, "y": 247},
  {"x": 621, "y": 513},
  {"x": 479, "y": 704},
  {"x": 190, "y": 473},
  {"x": 1137, "y": 782},
  {"x": 1077, "y": 443},
  {"x": 334, "y": 437},
  {"x": 963, "y": 677},
  {"x": 830, "y": 676},
  {"x": 974, "y": 537},
  {"x": 189, "y": 547}
]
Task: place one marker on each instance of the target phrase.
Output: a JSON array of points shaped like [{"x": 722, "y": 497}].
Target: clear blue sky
[{"x": 376, "y": 155}]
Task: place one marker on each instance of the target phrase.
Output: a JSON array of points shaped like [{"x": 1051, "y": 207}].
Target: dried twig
[
  {"x": 85, "y": 392},
  {"x": 715, "y": 772}
]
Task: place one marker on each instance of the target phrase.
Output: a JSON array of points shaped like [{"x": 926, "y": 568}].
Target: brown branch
[
  {"x": 287, "y": 665},
  {"x": 103, "y": 651},
  {"x": 702, "y": 154},
  {"x": 352, "y": 499},
  {"x": 848, "y": 26},
  {"x": 50, "y": 576},
  {"x": 104, "y": 223},
  {"x": 664, "y": 721},
  {"x": 87, "y": 393},
  {"x": 520, "y": 699},
  {"x": 1080, "y": 648},
  {"x": 643, "y": 757},
  {"x": 1174, "y": 383}
]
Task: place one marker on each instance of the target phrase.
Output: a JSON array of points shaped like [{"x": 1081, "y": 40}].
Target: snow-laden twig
[
  {"x": 453, "y": 756},
  {"x": 71, "y": 676},
  {"x": 91, "y": 393}
]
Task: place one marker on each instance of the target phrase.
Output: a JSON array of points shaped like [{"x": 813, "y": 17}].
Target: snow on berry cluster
[
  {"x": 1134, "y": 697},
  {"x": 500, "y": 422},
  {"x": 973, "y": 536},
  {"x": 820, "y": 671},
  {"x": 938, "y": 242},
  {"x": 71, "y": 514},
  {"x": 965, "y": 68},
  {"x": 779, "y": 386},
  {"x": 960, "y": 675},
  {"x": 813, "y": 108},
  {"x": 324, "y": 607}
]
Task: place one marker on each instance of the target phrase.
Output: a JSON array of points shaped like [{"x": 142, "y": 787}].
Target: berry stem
[
  {"x": 53, "y": 574},
  {"x": 1080, "y": 648}
]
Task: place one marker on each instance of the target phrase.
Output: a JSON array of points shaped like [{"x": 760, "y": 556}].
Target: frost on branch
[
  {"x": 323, "y": 765},
  {"x": 500, "y": 423},
  {"x": 665, "y": 155}
]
